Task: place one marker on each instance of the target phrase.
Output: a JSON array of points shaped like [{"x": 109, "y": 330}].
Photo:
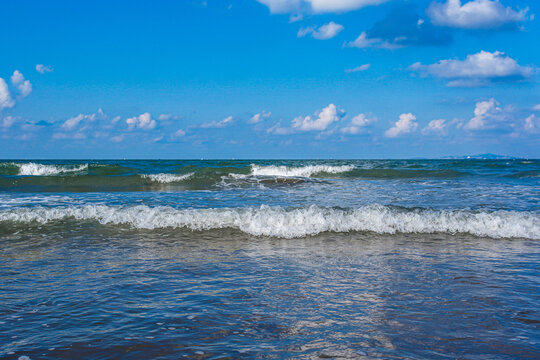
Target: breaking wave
[
  {"x": 301, "y": 171},
  {"x": 166, "y": 178},
  {"x": 292, "y": 223},
  {"x": 35, "y": 169}
]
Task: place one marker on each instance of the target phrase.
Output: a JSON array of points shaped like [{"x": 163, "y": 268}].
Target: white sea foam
[
  {"x": 166, "y": 178},
  {"x": 301, "y": 171},
  {"x": 34, "y": 169},
  {"x": 291, "y": 223}
]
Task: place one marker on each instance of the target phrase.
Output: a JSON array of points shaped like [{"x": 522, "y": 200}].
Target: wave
[
  {"x": 301, "y": 171},
  {"x": 166, "y": 178},
  {"x": 293, "y": 223},
  {"x": 35, "y": 169}
]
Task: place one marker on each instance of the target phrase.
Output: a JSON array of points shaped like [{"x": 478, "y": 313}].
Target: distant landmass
[{"x": 487, "y": 156}]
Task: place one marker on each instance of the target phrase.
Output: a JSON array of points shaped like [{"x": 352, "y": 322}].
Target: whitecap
[
  {"x": 35, "y": 169},
  {"x": 300, "y": 171},
  {"x": 166, "y": 178},
  {"x": 299, "y": 222}
]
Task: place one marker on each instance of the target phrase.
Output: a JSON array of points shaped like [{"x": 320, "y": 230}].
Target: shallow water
[{"x": 292, "y": 263}]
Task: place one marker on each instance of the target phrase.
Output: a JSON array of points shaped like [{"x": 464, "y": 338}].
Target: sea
[{"x": 270, "y": 259}]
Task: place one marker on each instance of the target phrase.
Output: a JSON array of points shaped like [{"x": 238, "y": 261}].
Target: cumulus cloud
[
  {"x": 438, "y": 126},
  {"x": 6, "y": 101},
  {"x": 218, "y": 124},
  {"x": 24, "y": 86},
  {"x": 320, "y": 121},
  {"x": 476, "y": 14},
  {"x": 317, "y": 6},
  {"x": 536, "y": 107},
  {"x": 42, "y": 69},
  {"x": 477, "y": 69},
  {"x": 358, "y": 68},
  {"x": 257, "y": 118},
  {"x": 324, "y": 32},
  {"x": 487, "y": 114},
  {"x": 357, "y": 124},
  {"x": 406, "y": 124},
  {"x": 143, "y": 122},
  {"x": 74, "y": 122}
]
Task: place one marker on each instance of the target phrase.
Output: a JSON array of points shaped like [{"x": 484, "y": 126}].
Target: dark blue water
[{"x": 270, "y": 259}]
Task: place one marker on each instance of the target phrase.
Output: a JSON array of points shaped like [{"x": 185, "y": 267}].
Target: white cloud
[
  {"x": 321, "y": 121},
  {"x": 435, "y": 127},
  {"x": 363, "y": 42},
  {"x": 257, "y": 118},
  {"x": 320, "y": 6},
  {"x": 143, "y": 121},
  {"x": 282, "y": 6},
  {"x": 406, "y": 124},
  {"x": 73, "y": 122},
  {"x": 277, "y": 129},
  {"x": 6, "y": 101},
  {"x": 532, "y": 123},
  {"x": 179, "y": 133},
  {"x": 357, "y": 124},
  {"x": 8, "y": 121},
  {"x": 324, "y": 32},
  {"x": 317, "y": 6},
  {"x": 24, "y": 86},
  {"x": 42, "y": 69},
  {"x": 168, "y": 117},
  {"x": 477, "y": 69},
  {"x": 477, "y": 14},
  {"x": 486, "y": 113},
  {"x": 218, "y": 124},
  {"x": 536, "y": 107},
  {"x": 358, "y": 68},
  {"x": 362, "y": 120}
]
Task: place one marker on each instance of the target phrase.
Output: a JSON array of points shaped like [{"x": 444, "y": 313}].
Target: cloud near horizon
[
  {"x": 358, "y": 124},
  {"x": 320, "y": 121},
  {"x": 259, "y": 117},
  {"x": 486, "y": 113},
  {"x": 143, "y": 122},
  {"x": 218, "y": 124},
  {"x": 405, "y": 125}
]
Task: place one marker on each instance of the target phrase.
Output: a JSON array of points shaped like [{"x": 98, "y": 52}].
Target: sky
[{"x": 272, "y": 79}]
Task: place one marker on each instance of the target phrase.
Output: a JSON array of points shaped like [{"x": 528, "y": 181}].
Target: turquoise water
[{"x": 278, "y": 259}]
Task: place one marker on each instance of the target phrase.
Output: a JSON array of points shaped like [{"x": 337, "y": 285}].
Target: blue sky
[{"x": 269, "y": 78}]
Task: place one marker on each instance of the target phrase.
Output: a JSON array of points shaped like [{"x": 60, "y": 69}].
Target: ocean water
[{"x": 300, "y": 259}]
